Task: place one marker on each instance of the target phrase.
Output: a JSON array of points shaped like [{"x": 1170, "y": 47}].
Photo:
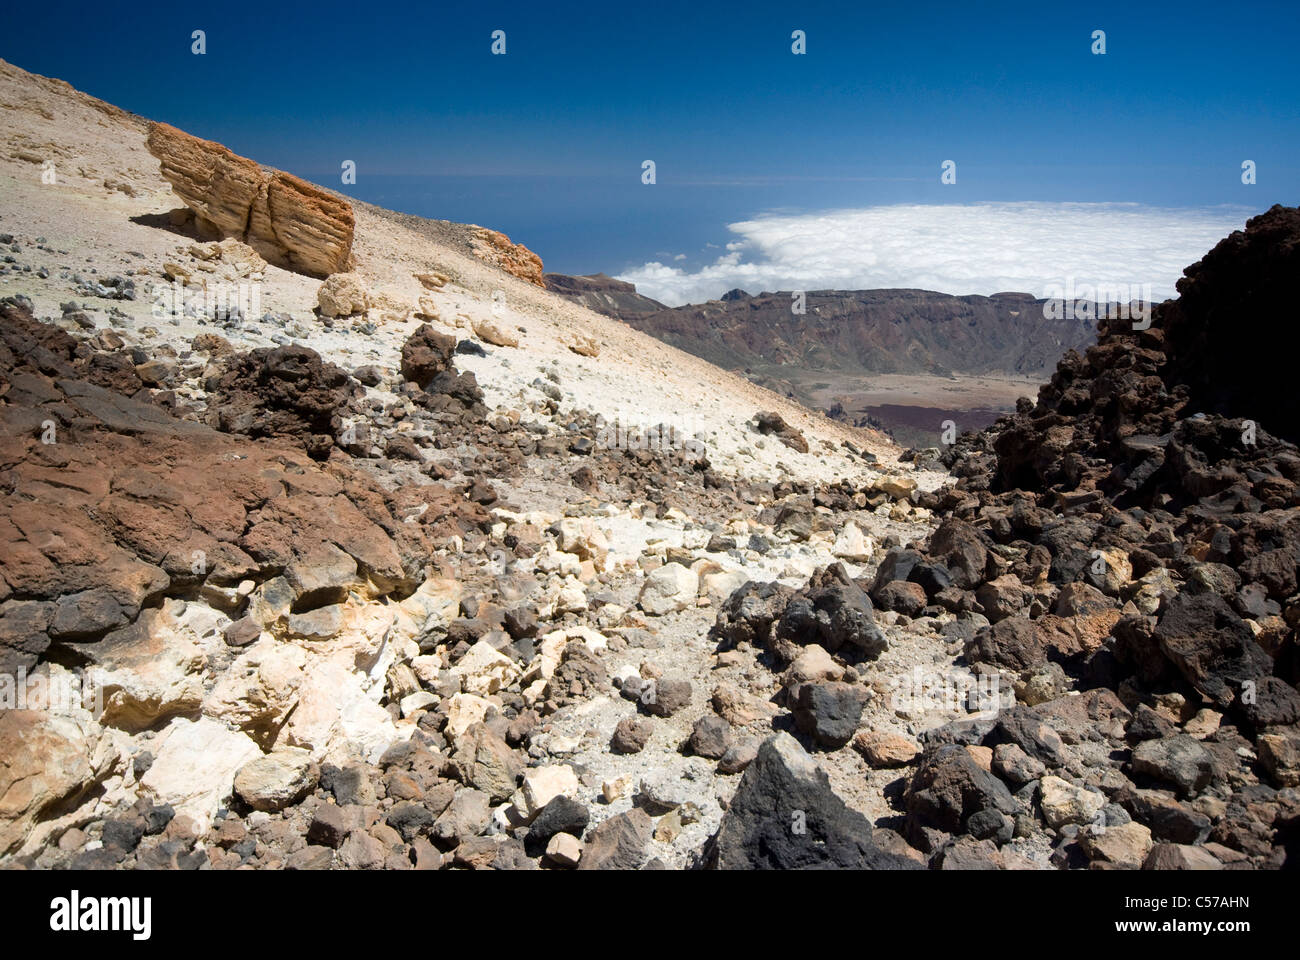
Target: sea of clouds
[{"x": 978, "y": 248}]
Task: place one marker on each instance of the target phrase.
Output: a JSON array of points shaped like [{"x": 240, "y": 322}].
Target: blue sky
[{"x": 547, "y": 141}]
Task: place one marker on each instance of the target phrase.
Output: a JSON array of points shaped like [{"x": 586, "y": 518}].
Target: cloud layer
[{"x": 981, "y": 248}]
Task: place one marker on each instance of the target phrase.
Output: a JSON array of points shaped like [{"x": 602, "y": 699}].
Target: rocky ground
[{"x": 418, "y": 565}]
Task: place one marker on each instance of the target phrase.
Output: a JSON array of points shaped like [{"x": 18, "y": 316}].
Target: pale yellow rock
[
  {"x": 585, "y": 346},
  {"x": 342, "y": 294},
  {"x": 1064, "y": 803},
  {"x": 1126, "y": 845},
  {"x": 260, "y": 689},
  {"x": 852, "y": 544},
  {"x": 47, "y": 759},
  {"x": 338, "y": 712},
  {"x": 900, "y": 488},
  {"x": 154, "y": 671},
  {"x": 195, "y": 768},
  {"x": 616, "y": 788},
  {"x": 431, "y": 281},
  {"x": 426, "y": 309},
  {"x": 278, "y": 779},
  {"x": 491, "y": 333},
  {"x": 739, "y": 708},
  {"x": 286, "y": 219},
  {"x": 543, "y": 784},
  {"x": 813, "y": 665},
  {"x": 571, "y": 599},
  {"x": 883, "y": 749},
  {"x": 1117, "y": 571},
  {"x": 669, "y": 588},
  {"x": 983, "y": 756},
  {"x": 669, "y": 827},
  {"x": 583, "y": 537},
  {"x": 1205, "y": 723},
  {"x": 426, "y": 668},
  {"x": 484, "y": 670},
  {"x": 564, "y": 849},
  {"x": 550, "y": 559},
  {"x": 436, "y": 597},
  {"x": 718, "y": 585},
  {"x": 463, "y": 711}
]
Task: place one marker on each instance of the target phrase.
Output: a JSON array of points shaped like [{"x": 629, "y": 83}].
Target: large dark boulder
[
  {"x": 1212, "y": 647},
  {"x": 747, "y": 615},
  {"x": 785, "y": 816},
  {"x": 833, "y": 611},
  {"x": 426, "y": 354},
  {"x": 287, "y": 392},
  {"x": 948, "y": 790},
  {"x": 1249, "y": 277}
]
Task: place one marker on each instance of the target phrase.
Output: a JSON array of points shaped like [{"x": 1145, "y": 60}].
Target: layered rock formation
[
  {"x": 495, "y": 248},
  {"x": 288, "y": 221}
]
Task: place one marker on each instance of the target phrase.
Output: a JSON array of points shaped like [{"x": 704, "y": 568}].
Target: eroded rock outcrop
[
  {"x": 287, "y": 220},
  {"x": 495, "y": 248}
]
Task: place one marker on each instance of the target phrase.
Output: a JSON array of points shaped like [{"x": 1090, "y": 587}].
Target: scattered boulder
[
  {"x": 774, "y": 424},
  {"x": 669, "y": 588},
  {"x": 830, "y": 712},
  {"x": 277, "y": 780},
  {"x": 618, "y": 843},
  {"x": 784, "y": 815},
  {"x": 833, "y": 611}
]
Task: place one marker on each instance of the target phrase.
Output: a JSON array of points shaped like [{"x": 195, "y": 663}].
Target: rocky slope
[
  {"x": 1130, "y": 542},
  {"x": 332, "y": 563},
  {"x": 423, "y": 566}
]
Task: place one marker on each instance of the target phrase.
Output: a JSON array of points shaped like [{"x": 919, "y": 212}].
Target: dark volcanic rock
[
  {"x": 830, "y": 712},
  {"x": 287, "y": 392},
  {"x": 426, "y": 354},
  {"x": 630, "y": 735},
  {"x": 710, "y": 737},
  {"x": 618, "y": 843},
  {"x": 832, "y": 610},
  {"x": 1248, "y": 274},
  {"x": 1211, "y": 646},
  {"x": 774, "y": 424},
  {"x": 747, "y": 615},
  {"x": 784, "y": 816},
  {"x": 561, "y": 815},
  {"x": 1180, "y": 760},
  {"x": 948, "y": 791}
]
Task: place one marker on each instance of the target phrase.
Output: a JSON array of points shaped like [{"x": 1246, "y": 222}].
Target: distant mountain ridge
[
  {"x": 848, "y": 331},
  {"x": 604, "y": 294}
]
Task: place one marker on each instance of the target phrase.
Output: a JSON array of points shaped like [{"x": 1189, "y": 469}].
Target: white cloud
[{"x": 979, "y": 248}]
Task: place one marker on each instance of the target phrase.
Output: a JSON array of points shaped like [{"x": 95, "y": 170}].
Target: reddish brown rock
[{"x": 514, "y": 258}]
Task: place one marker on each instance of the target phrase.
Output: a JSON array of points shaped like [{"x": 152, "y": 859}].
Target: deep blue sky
[{"x": 546, "y": 142}]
